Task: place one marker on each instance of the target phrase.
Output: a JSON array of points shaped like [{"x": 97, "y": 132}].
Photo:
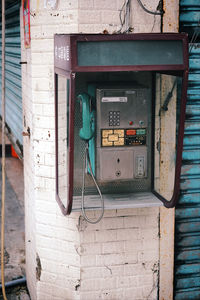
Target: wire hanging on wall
[
  {"x": 159, "y": 7},
  {"x": 124, "y": 16}
]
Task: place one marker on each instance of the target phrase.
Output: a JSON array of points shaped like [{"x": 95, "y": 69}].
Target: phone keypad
[{"x": 114, "y": 118}]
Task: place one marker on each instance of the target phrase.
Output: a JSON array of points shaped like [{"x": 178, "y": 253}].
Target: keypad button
[{"x": 114, "y": 118}]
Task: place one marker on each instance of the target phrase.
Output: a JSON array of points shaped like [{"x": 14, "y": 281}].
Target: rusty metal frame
[{"x": 179, "y": 70}]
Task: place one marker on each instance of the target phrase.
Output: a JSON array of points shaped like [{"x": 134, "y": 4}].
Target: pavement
[{"x": 14, "y": 252}]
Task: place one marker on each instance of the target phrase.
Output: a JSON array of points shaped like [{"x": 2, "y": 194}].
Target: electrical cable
[
  {"x": 3, "y": 155},
  {"x": 15, "y": 282},
  {"x": 3, "y": 224},
  {"x": 120, "y": 16},
  {"x": 87, "y": 158},
  {"x": 168, "y": 98},
  {"x": 125, "y": 20},
  {"x": 159, "y": 13}
]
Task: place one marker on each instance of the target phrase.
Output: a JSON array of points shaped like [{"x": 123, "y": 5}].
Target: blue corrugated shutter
[
  {"x": 187, "y": 225},
  {"x": 13, "y": 73},
  {"x": 189, "y": 16}
]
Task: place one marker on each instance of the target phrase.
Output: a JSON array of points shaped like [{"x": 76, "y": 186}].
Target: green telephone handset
[
  {"x": 87, "y": 133},
  {"x": 87, "y": 130}
]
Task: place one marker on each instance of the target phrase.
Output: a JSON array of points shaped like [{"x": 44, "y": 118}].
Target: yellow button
[
  {"x": 106, "y": 132},
  {"x": 120, "y": 132},
  {"x": 113, "y": 137},
  {"x": 105, "y": 142},
  {"x": 120, "y": 142}
]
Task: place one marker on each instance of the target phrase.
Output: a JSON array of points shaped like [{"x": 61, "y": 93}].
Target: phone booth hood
[{"x": 163, "y": 53}]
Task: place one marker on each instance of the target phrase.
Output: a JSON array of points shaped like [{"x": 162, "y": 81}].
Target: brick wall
[
  {"x": 98, "y": 15},
  {"x": 29, "y": 194},
  {"x": 66, "y": 257},
  {"x": 51, "y": 257},
  {"x": 120, "y": 255}
]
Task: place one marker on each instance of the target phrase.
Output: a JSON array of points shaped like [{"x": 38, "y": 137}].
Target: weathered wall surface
[
  {"x": 67, "y": 258},
  {"x": 29, "y": 194}
]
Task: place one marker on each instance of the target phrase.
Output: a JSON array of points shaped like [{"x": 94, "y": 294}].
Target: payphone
[
  {"x": 116, "y": 125},
  {"x": 124, "y": 141}
]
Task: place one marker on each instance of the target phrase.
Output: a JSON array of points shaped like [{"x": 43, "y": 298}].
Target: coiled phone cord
[{"x": 87, "y": 158}]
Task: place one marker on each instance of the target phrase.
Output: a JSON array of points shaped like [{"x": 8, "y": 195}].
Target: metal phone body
[{"x": 123, "y": 134}]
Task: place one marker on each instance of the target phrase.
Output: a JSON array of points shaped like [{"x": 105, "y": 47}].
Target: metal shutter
[
  {"x": 187, "y": 224},
  {"x": 13, "y": 73}
]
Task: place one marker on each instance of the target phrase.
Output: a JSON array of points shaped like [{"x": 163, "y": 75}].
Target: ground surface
[{"x": 14, "y": 228}]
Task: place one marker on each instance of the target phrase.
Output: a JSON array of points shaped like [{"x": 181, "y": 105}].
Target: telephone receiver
[
  {"x": 87, "y": 132},
  {"x": 88, "y": 128}
]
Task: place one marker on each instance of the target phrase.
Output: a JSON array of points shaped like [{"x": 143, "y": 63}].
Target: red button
[
  {"x": 131, "y": 132},
  {"x": 131, "y": 123}
]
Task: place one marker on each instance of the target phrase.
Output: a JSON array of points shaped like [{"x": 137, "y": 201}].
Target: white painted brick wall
[
  {"x": 117, "y": 258},
  {"x": 30, "y": 223},
  {"x": 119, "y": 254},
  {"x": 96, "y": 16}
]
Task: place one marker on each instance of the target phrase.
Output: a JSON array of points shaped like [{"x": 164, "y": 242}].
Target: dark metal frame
[{"x": 70, "y": 70}]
